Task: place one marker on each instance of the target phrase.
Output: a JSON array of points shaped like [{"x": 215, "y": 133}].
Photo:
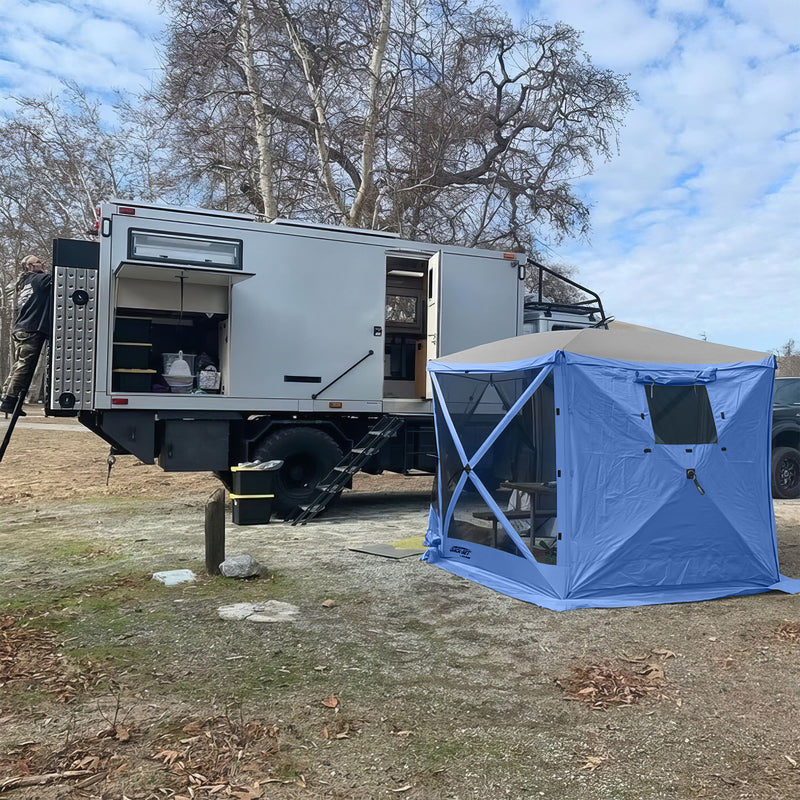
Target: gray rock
[
  {"x": 175, "y": 576},
  {"x": 240, "y": 567},
  {"x": 268, "y": 611}
]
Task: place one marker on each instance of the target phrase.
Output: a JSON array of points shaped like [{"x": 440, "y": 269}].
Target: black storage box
[
  {"x": 251, "y": 509},
  {"x": 251, "y": 480},
  {"x": 132, "y": 380},
  {"x": 193, "y": 445},
  {"x": 131, "y": 329},
  {"x": 132, "y": 355}
]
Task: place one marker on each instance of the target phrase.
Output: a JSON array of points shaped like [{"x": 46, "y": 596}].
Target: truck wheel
[
  {"x": 308, "y": 455},
  {"x": 786, "y": 473}
]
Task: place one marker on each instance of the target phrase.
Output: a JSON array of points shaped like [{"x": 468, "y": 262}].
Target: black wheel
[
  {"x": 786, "y": 473},
  {"x": 308, "y": 455}
]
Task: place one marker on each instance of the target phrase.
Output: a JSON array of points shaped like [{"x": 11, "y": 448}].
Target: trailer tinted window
[
  {"x": 681, "y": 414},
  {"x": 176, "y": 248}
]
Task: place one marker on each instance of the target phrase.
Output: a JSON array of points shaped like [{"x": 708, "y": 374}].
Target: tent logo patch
[{"x": 461, "y": 551}]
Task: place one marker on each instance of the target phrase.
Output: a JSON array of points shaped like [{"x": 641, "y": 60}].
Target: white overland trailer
[{"x": 310, "y": 342}]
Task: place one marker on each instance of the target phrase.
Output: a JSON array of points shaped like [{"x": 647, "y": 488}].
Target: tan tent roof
[{"x": 623, "y": 342}]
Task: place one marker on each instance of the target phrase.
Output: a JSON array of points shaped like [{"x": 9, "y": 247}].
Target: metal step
[{"x": 333, "y": 483}]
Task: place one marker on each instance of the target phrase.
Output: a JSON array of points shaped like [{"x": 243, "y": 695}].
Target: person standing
[{"x": 32, "y": 326}]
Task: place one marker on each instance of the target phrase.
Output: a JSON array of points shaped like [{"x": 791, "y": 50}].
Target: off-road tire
[
  {"x": 308, "y": 455},
  {"x": 786, "y": 473}
]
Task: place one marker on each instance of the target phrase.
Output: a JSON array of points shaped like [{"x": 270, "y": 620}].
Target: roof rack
[{"x": 592, "y": 305}]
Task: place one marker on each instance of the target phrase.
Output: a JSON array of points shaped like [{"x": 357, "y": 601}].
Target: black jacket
[{"x": 34, "y": 303}]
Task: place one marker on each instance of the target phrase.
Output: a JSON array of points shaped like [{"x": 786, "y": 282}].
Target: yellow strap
[{"x": 252, "y": 496}]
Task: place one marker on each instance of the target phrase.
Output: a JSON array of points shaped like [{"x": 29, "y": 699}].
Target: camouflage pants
[{"x": 27, "y": 347}]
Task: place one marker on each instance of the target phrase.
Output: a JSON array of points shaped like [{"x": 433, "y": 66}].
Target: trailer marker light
[
  {"x": 509, "y": 256},
  {"x": 126, "y": 210},
  {"x": 119, "y": 401},
  {"x": 335, "y": 404}
]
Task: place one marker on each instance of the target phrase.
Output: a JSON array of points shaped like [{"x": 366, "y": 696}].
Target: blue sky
[{"x": 695, "y": 223}]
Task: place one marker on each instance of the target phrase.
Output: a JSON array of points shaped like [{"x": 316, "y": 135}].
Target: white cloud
[
  {"x": 779, "y": 17},
  {"x": 694, "y": 224},
  {"x": 619, "y": 32},
  {"x": 98, "y": 44}
]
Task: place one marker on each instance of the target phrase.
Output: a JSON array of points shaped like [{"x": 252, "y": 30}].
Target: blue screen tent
[{"x": 599, "y": 468}]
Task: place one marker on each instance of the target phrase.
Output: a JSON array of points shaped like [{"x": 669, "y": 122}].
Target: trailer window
[
  {"x": 402, "y": 309},
  {"x": 681, "y": 414},
  {"x": 176, "y": 248}
]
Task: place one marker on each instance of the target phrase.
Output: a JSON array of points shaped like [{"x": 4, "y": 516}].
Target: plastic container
[
  {"x": 179, "y": 385},
  {"x": 251, "y": 509},
  {"x": 132, "y": 355},
  {"x": 132, "y": 380},
  {"x": 254, "y": 478},
  {"x": 170, "y": 358}
]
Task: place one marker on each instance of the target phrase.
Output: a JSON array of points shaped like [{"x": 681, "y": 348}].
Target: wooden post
[{"x": 215, "y": 531}]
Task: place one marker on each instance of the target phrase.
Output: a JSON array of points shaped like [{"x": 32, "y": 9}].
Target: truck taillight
[
  {"x": 126, "y": 210},
  {"x": 119, "y": 401}
]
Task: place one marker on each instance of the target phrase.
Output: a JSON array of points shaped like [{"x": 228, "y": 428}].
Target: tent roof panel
[{"x": 623, "y": 342}]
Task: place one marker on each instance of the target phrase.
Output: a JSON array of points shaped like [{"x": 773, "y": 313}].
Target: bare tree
[
  {"x": 439, "y": 119},
  {"x": 788, "y": 357},
  {"x": 58, "y": 158}
]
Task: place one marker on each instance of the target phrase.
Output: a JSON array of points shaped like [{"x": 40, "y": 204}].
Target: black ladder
[{"x": 334, "y": 482}]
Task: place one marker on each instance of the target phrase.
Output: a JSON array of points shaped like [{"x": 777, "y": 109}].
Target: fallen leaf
[
  {"x": 402, "y": 788},
  {"x": 325, "y": 733},
  {"x": 402, "y": 733},
  {"x": 246, "y": 792},
  {"x": 790, "y": 760},
  {"x": 320, "y": 668},
  {"x": 88, "y": 763},
  {"x": 593, "y": 762},
  {"x": 121, "y": 733},
  {"x": 329, "y": 603},
  {"x": 634, "y": 659},
  {"x": 167, "y": 756},
  {"x": 331, "y": 701},
  {"x": 653, "y": 671},
  {"x": 665, "y": 653}
]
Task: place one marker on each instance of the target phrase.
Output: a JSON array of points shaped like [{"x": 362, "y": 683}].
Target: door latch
[{"x": 690, "y": 474}]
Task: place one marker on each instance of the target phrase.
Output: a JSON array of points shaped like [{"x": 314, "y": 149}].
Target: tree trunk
[
  {"x": 371, "y": 122},
  {"x": 261, "y": 119}
]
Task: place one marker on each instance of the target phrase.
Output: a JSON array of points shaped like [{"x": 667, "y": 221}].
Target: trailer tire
[
  {"x": 786, "y": 473},
  {"x": 308, "y": 455}
]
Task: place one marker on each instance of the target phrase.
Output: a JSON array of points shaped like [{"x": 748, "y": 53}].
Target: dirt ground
[{"x": 395, "y": 679}]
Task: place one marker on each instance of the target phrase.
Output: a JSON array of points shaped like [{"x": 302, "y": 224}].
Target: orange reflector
[
  {"x": 126, "y": 210},
  {"x": 510, "y": 256},
  {"x": 335, "y": 404},
  {"x": 119, "y": 401}
]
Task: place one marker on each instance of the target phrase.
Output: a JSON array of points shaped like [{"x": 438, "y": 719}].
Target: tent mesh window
[
  {"x": 521, "y": 457},
  {"x": 681, "y": 414}
]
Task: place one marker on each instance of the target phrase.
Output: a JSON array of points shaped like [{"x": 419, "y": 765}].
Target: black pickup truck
[{"x": 786, "y": 439}]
